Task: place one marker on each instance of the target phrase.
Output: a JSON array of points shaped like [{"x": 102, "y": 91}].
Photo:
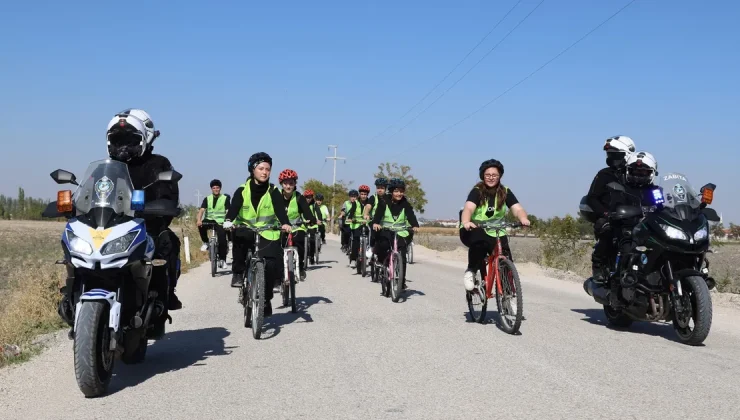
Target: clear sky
[{"x": 223, "y": 80}]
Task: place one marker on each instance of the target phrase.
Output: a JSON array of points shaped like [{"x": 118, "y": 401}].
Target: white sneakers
[
  {"x": 204, "y": 248},
  {"x": 469, "y": 280},
  {"x": 353, "y": 264},
  {"x": 369, "y": 253}
]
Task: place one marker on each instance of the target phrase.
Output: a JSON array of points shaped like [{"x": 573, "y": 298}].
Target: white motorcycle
[{"x": 109, "y": 258}]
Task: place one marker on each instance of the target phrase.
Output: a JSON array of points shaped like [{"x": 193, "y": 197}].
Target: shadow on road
[
  {"x": 319, "y": 267},
  {"x": 408, "y": 293},
  {"x": 177, "y": 350},
  {"x": 655, "y": 329},
  {"x": 273, "y": 324}
]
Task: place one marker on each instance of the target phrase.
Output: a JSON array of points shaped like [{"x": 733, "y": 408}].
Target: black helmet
[
  {"x": 319, "y": 196},
  {"x": 490, "y": 163},
  {"x": 396, "y": 183},
  {"x": 215, "y": 183},
  {"x": 353, "y": 193},
  {"x": 258, "y": 158},
  {"x": 381, "y": 182}
]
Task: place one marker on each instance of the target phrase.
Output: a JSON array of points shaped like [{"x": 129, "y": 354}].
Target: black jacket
[
  {"x": 599, "y": 195},
  {"x": 144, "y": 171}
]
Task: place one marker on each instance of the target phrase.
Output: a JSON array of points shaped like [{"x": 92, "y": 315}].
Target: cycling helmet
[
  {"x": 381, "y": 182},
  {"x": 319, "y": 196},
  {"x": 353, "y": 193},
  {"x": 364, "y": 188},
  {"x": 308, "y": 193},
  {"x": 490, "y": 163},
  {"x": 288, "y": 174},
  {"x": 396, "y": 183},
  {"x": 215, "y": 183},
  {"x": 618, "y": 149},
  {"x": 641, "y": 169},
  {"x": 127, "y": 138},
  {"x": 258, "y": 158}
]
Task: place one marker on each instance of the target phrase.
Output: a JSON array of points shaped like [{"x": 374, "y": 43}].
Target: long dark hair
[{"x": 496, "y": 194}]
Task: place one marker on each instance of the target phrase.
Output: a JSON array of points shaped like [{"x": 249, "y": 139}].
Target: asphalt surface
[{"x": 351, "y": 354}]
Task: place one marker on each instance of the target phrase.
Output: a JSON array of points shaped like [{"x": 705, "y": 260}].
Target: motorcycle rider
[
  {"x": 640, "y": 171},
  {"x": 354, "y": 216},
  {"x": 618, "y": 149},
  {"x": 324, "y": 214},
  {"x": 298, "y": 210},
  {"x": 214, "y": 206},
  {"x": 258, "y": 203},
  {"x": 130, "y": 137}
]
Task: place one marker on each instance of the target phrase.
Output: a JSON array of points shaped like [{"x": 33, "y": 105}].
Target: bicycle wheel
[
  {"x": 258, "y": 299},
  {"x": 291, "y": 278},
  {"x": 385, "y": 291},
  {"x": 365, "y": 262},
  {"x": 360, "y": 257},
  {"x": 397, "y": 282},
  {"x": 510, "y": 319},
  {"x": 246, "y": 297},
  {"x": 477, "y": 301},
  {"x": 212, "y": 255}
]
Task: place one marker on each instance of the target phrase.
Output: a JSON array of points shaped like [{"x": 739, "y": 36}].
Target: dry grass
[
  {"x": 451, "y": 231},
  {"x": 30, "y": 281}
]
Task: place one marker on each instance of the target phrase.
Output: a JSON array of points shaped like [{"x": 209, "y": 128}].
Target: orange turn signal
[
  {"x": 64, "y": 201},
  {"x": 707, "y": 196}
]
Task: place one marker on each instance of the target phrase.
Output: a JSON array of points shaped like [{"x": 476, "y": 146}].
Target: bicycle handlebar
[
  {"x": 259, "y": 229},
  {"x": 498, "y": 225}
]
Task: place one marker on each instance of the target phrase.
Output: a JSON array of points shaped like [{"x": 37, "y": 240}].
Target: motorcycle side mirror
[
  {"x": 63, "y": 177},
  {"x": 169, "y": 176}
]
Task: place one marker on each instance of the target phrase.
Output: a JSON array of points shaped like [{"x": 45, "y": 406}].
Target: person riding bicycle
[
  {"x": 214, "y": 207},
  {"x": 258, "y": 203},
  {"x": 324, "y": 214},
  {"x": 343, "y": 215},
  {"x": 354, "y": 217},
  {"x": 395, "y": 211},
  {"x": 313, "y": 228},
  {"x": 618, "y": 149},
  {"x": 298, "y": 210},
  {"x": 373, "y": 201},
  {"x": 640, "y": 171},
  {"x": 488, "y": 201}
]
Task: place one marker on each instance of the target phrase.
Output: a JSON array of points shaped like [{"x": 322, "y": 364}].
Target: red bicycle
[{"x": 501, "y": 272}]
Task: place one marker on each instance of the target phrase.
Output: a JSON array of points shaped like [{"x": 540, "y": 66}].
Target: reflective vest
[
  {"x": 216, "y": 213},
  {"x": 358, "y": 216},
  {"x": 400, "y": 221},
  {"x": 479, "y": 215},
  {"x": 312, "y": 209},
  {"x": 263, "y": 215},
  {"x": 375, "y": 206},
  {"x": 325, "y": 211},
  {"x": 294, "y": 214}
]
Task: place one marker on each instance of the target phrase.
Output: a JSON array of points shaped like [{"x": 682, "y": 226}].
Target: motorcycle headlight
[
  {"x": 78, "y": 245},
  {"x": 701, "y": 234},
  {"x": 119, "y": 245},
  {"x": 674, "y": 233}
]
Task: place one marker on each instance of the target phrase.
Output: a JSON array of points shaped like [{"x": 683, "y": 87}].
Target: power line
[
  {"x": 448, "y": 74},
  {"x": 520, "y": 81},
  {"x": 461, "y": 77}
]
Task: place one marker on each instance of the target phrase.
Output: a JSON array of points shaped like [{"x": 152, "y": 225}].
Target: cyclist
[
  {"x": 214, "y": 206},
  {"x": 313, "y": 227},
  {"x": 488, "y": 201},
  {"x": 343, "y": 215},
  {"x": 298, "y": 210},
  {"x": 618, "y": 149},
  {"x": 372, "y": 202},
  {"x": 324, "y": 215},
  {"x": 257, "y": 203},
  {"x": 354, "y": 218},
  {"x": 394, "y": 211}
]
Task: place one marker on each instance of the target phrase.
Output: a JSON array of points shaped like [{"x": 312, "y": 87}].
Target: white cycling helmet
[
  {"x": 641, "y": 168},
  {"x": 127, "y": 137},
  {"x": 618, "y": 150}
]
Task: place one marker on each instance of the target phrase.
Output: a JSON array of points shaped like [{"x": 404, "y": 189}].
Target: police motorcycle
[
  {"x": 661, "y": 267},
  {"x": 109, "y": 260}
]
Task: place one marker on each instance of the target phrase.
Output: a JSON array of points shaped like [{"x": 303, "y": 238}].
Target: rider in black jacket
[{"x": 618, "y": 150}]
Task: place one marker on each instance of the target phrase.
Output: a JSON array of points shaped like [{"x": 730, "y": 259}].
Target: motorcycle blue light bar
[
  {"x": 658, "y": 196},
  {"x": 137, "y": 200}
]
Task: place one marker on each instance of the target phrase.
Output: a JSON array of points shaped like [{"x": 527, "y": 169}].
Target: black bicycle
[{"x": 212, "y": 246}]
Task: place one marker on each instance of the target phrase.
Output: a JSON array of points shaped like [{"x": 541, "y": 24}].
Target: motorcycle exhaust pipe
[{"x": 597, "y": 291}]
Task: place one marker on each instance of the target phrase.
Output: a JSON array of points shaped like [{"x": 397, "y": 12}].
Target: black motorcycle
[{"x": 660, "y": 269}]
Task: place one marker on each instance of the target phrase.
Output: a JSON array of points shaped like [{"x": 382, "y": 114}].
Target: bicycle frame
[
  {"x": 290, "y": 248},
  {"x": 492, "y": 271}
]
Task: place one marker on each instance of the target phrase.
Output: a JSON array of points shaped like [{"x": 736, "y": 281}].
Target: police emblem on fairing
[{"x": 103, "y": 188}]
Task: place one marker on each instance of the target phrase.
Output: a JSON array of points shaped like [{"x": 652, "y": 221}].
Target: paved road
[{"x": 352, "y": 354}]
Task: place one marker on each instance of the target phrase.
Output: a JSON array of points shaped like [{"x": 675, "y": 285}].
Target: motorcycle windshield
[
  {"x": 106, "y": 185},
  {"x": 681, "y": 200}
]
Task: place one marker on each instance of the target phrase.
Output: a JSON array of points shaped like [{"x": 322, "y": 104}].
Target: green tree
[
  {"x": 718, "y": 231},
  {"x": 414, "y": 192},
  {"x": 333, "y": 197}
]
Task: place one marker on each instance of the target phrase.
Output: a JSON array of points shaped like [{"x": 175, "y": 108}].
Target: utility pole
[
  {"x": 335, "y": 158},
  {"x": 197, "y": 195}
]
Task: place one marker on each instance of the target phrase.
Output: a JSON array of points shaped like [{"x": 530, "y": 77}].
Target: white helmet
[
  {"x": 144, "y": 116},
  {"x": 127, "y": 137},
  {"x": 618, "y": 150},
  {"x": 641, "y": 168}
]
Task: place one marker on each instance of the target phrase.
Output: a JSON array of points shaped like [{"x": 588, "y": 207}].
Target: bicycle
[
  {"x": 290, "y": 268},
  {"x": 362, "y": 262},
  {"x": 252, "y": 292},
  {"x": 313, "y": 235},
  {"x": 410, "y": 252},
  {"x": 391, "y": 278},
  {"x": 505, "y": 290},
  {"x": 212, "y": 246}
]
